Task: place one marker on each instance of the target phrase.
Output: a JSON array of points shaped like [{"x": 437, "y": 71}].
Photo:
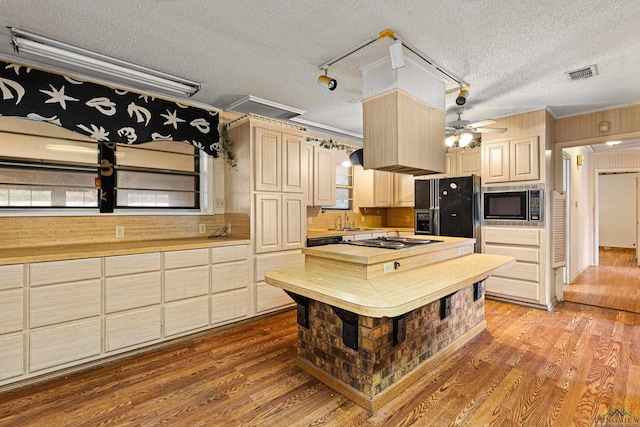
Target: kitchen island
[{"x": 372, "y": 321}]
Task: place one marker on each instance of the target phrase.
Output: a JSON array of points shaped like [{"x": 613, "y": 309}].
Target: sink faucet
[
  {"x": 346, "y": 219},
  {"x": 339, "y": 220}
]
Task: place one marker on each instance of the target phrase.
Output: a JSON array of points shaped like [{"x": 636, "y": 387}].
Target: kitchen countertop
[
  {"x": 391, "y": 294},
  {"x": 95, "y": 250}
]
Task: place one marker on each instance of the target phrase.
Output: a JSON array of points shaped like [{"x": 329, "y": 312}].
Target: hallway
[{"x": 615, "y": 283}]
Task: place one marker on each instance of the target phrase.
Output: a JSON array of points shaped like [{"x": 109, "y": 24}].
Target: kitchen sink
[{"x": 356, "y": 229}]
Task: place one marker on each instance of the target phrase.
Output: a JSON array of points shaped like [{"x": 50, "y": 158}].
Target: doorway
[{"x": 611, "y": 280}]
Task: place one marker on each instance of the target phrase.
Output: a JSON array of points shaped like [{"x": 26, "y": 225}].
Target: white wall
[
  {"x": 579, "y": 209},
  {"x": 617, "y": 210}
]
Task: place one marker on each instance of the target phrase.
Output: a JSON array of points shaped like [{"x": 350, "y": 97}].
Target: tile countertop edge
[
  {"x": 375, "y": 298},
  {"x": 97, "y": 250}
]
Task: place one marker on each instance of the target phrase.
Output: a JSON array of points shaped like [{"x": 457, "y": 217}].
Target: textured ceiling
[{"x": 513, "y": 54}]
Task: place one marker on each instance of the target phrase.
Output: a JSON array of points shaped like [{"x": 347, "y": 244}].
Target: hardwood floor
[
  {"x": 615, "y": 283},
  {"x": 530, "y": 367}
]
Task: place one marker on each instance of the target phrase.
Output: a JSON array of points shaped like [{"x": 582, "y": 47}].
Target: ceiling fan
[{"x": 458, "y": 132}]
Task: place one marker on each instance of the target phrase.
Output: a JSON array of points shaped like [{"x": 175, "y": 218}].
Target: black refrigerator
[{"x": 460, "y": 207}]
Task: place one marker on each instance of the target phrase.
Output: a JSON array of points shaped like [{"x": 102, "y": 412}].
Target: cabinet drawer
[
  {"x": 520, "y": 254},
  {"x": 229, "y": 276},
  {"x": 11, "y": 311},
  {"x": 230, "y": 305},
  {"x": 270, "y": 298},
  {"x": 521, "y": 271},
  {"x": 512, "y": 288},
  {"x": 512, "y": 236},
  {"x": 229, "y": 253},
  {"x": 11, "y": 356},
  {"x": 63, "y": 344},
  {"x": 132, "y": 328},
  {"x": 186, "y": 283},
  {"x": 124, "y": 293},
  {"x": 183, "y": 316},
  {"x": 45, "y": 273},
  {"x": 279, "y": 261},
  {"x": 11, "y": 276},
  {"x": 63, "y": 303},
  {"x": 130, "y": 264},
  {"x": 190, "y": 258}
]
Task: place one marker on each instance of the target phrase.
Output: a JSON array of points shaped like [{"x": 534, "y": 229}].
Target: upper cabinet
[
  {"x": 515, "y": 160},
  {"x": 403, "y": 190},
  {"x": 380, "y": 189},
  {"x": 463, "y": 161},
  {"x": 319, "y": 175},
  {"x": 277, "y": 161}
]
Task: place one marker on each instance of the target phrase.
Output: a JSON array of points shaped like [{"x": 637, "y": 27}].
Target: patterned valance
[{"x": 101, "y": 112}]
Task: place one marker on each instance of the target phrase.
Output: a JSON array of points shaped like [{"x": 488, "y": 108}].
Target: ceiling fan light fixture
[
  {"x": 450, "y": 140},
  {"x": 464, "y": 139}
]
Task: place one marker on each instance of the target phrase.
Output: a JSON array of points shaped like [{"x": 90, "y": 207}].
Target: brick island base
[{"x": 390, "y": 354}]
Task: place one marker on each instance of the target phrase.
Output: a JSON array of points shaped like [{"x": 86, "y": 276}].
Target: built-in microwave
[{"x": 515, "y": 205}]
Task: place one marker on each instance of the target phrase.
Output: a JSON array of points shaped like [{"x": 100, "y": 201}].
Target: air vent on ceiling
[
  {"x": 263, "y": 107},
  {"x": 582, "y": 73}
]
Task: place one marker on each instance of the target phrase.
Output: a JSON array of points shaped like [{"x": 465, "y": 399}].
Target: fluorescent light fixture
[
  {"x": 613, "y": 142},
  {"x": 56, "y": 53}
]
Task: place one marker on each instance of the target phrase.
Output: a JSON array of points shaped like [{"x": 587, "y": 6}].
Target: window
[
  {"x": 60, "y": 172},
  {"x": 344, "y": 184}
]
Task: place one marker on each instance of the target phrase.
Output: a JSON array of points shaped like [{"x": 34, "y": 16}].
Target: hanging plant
[
  {"x": 475, "y": 142},
  {"x": 226, "y": 144},
  {"x": 330, "y": 144}
]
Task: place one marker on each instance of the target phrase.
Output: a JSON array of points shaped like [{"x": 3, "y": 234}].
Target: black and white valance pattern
[{"x": 103, "y": 113}]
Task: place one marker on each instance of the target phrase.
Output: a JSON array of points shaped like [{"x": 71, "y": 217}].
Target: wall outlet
[
  {"x": 407, "y": 219},
  {"x": 309, "y": 220},
  {"x": 202, "y": 228},
  {"x": 388, "y": 267},
  {"x": 460, "y": 251},
  {"x": 119, "y": 231},
  {"x": 361, "y": 218},
  {"x": 228, "y": 229},
  {"x": 219, "y": 203}
]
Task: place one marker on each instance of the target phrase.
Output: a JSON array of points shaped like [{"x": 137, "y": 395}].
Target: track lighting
[
  {"x": 327, "y": 81},
  {"x": 462, "y": 96}
]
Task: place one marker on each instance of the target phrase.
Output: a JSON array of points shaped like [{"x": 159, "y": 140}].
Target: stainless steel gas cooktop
[{"x": 392, "y": 242}]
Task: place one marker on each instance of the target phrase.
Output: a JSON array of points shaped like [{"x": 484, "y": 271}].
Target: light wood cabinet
[
  {"x": 524, "y": 281},
  {"x": 463, "y": 161},
  {"x": 11, "y": 311},
  {"x": 185, "y": 283},
  {"x": 278, "y": 161},
  {"x": 372, "y": 188},
  {"x": 186, "y": 315},
  {"x": 514, "y": 160},
  {"x": 403, "y": 190},
  {"x": 307, "y": 174},
  {"x": 132, "y": 291},
  {"x": 11, "y": 356},
  {"x": 60, "y": 303},
  {"x": 11, "y": 276},
  {"x": 324, "y": 177},
  {"x": 230, "y": 306},
  {"x": 132, "y": 328},
  {"x": 46, "y": 273},
  {"x": 269, "y": 298},
  {"x": 62, "y": 344},
  {"x": 230, "y": 286},
  {"x": 229, "y": 276},
  {"x": 279, "y": 222}
]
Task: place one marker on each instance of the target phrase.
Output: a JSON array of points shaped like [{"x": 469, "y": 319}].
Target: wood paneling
[{"x": 620, "y": 121}]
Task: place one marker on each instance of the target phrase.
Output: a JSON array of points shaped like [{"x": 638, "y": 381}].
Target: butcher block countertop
[
  {"x": 423, "y": 276},
  {"x": 329, "y": 232},
  {"x": 95, "y": 250}
]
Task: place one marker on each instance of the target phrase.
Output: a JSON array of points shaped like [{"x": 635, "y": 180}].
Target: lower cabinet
[
  {"x": 50, "y": 320},
  {"x": 270, "y": 298},
  {"x": 524, "y": 281}
]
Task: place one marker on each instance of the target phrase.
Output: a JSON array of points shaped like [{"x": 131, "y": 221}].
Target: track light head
[
  {"x": 327, "y": 81},
  {"x": 462, "y": 97}
]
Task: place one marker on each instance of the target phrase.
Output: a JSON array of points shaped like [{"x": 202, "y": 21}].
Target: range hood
[{"x": 403, "y": 118}]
